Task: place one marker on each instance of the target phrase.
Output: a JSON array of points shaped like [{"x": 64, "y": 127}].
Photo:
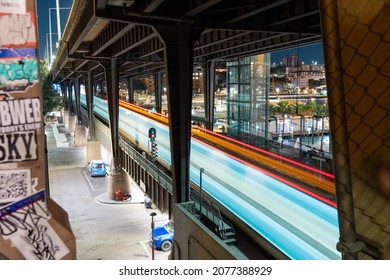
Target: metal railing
[
  {"x": 151, "y": 168},
  {"x": 211, "y": 212}
]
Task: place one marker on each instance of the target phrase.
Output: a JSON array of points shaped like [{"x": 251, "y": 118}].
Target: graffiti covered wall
[{"x": 27, "y": 227}]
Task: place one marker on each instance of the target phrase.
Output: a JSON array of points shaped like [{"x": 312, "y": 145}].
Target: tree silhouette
[{"x": 52, "y": 101}]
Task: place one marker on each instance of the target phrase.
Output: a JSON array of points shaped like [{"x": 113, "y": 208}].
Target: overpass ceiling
[{"x": 101, "y": 29}]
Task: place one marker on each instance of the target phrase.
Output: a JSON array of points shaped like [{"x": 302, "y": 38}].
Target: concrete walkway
[{"x": 117, "y": 231}]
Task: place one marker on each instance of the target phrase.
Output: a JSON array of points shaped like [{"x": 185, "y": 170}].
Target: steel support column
[
  {"x": 64, "y": 90},
  {"x": 178, "y": 52},
  {"x": 130, "y": 89},
  {"x": 112, "y": 82},
  {"x": 209, "y": 86},
  {"x": 100, "y": 84},
  {"x": 158, "y": 91},
  {"x": 70, "y": 101},
  {"x": 334, "y": 75},
  {"x": 89, "y": 94},
  {"x": 77, "y": 96}
]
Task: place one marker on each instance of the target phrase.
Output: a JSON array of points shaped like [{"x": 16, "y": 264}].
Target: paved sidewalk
[{"x": 103, "y": 231}]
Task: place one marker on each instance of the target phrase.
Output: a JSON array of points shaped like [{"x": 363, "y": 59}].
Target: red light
[{"x": 291, "y": 184}]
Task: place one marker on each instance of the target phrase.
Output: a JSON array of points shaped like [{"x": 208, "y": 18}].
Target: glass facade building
[{"x": 248, "y": 87}]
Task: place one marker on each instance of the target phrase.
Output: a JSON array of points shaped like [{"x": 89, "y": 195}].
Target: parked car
[
  {"x": 163, "y": 237},
  {"x": 97, "y": 168}
]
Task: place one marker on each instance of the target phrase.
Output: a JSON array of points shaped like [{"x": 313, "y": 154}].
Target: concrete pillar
[
  {"x": 93, "y": 150},
  {"x": 179, "y": 42},
  {"x": 118, "y": 181},
  {"x": 80, "y": 135},
  {"x": 158, "y": 91},
  {"x": 66, "y": 118},
  {"x": 209, "y": 85},
  {"x": 72, "y": 124}
]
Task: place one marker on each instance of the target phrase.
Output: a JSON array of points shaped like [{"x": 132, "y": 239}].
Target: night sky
[
  {"x": 43, "y": 21},
  {"x": 307, "y": 54}
]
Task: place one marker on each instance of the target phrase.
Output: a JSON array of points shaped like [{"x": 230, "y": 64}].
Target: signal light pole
[
  {"x": 153, "y": 214},
  {"x": 152, "y": 133},
  {"x": 154, "y": 148}
]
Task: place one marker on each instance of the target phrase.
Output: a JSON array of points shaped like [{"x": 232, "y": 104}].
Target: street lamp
[
  {"x": 58, "y": 28},
  {"x": 47, "y": 54},
  {"x": 152, "y": 226},
  {"x": 201, "y": 171}
]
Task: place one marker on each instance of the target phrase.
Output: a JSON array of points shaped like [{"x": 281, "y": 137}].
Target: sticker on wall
[
  {"x": 20, "y": 114},
  {"x": 13, "y": 6},
  {"x": 18, "y": 69},
  {"x": 18, "y": 146},
  {"x": 26, "y": 224},
  {"x": 17, "y": 29},
  {"x": 16, "y": 185}
]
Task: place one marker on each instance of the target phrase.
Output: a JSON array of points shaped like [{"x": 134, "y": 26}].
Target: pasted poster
[
  {"x": 26, "y": 224},
  {"x": 19, "y": 119}
]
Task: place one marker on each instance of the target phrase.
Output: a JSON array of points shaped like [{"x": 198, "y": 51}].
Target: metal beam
[
  {"x": 153, "y": 5},
  {"x": 84, "y": 25},
  {"x": 258, "y": 11},
  {"x": 111, "y": 33},
  {"x": 269, "y": 47},
  {"x": 289, "y": 19},
  {"x": 217, "y": 37},
  {"x": 143, "y": 71},
  {"x": 269, "y": 44},
  {"x": 125, "y": 15},
  {"x": 239, "y": 43},
  {"x": 131, "y": 40},
  {"x": 101, "y": 4},
  {"x": 201, "y": 8}
]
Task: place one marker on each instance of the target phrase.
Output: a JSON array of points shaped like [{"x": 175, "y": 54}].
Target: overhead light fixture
[
  {"x": 125, "y": 3},
  {"x": 82, "y": 51}
]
